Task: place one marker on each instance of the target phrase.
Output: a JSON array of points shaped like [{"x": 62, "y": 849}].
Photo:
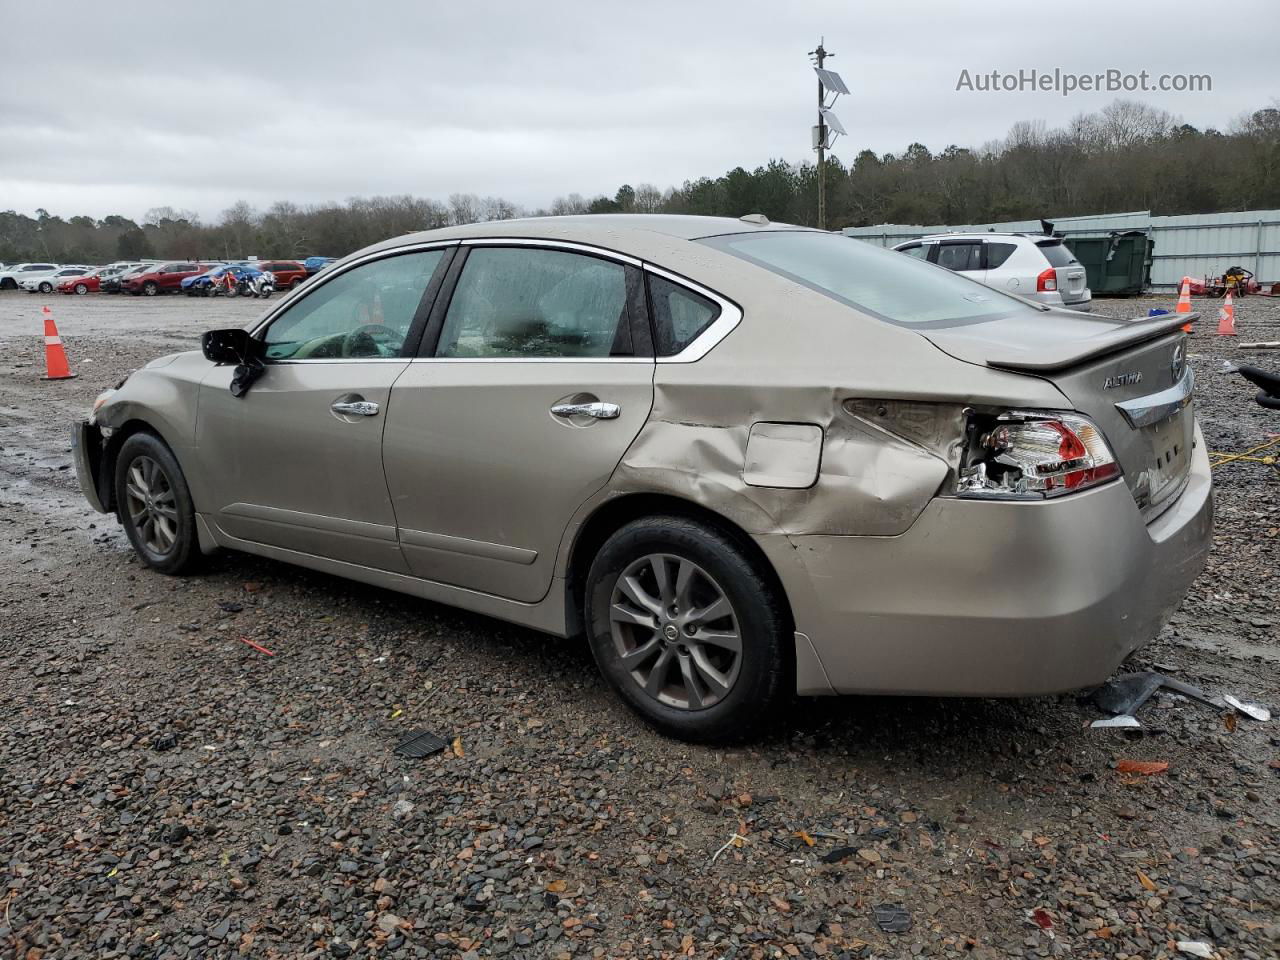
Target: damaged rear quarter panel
[{"x": 888, "y": 402}]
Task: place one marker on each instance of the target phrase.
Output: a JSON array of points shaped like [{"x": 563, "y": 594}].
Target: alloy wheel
[
  {"x": 675, "y": 631},
  {"x": 152, "y": 505}
]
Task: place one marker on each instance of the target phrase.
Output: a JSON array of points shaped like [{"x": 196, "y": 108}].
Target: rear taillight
[
  {"x": 1027, "y": 454},
  {"x": 1047, "y": 282}
]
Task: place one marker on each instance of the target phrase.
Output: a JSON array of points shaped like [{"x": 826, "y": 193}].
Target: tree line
[{"x": 1128, "y": 156}]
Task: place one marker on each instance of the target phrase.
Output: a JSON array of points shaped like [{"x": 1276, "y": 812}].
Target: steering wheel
[{"x": 363, "y": 340}]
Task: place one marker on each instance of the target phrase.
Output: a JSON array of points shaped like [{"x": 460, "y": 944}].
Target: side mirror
[{"x": 230, "y": 346}]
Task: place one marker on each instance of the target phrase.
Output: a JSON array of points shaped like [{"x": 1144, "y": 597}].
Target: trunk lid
[{"x": 1130, "y": 378}]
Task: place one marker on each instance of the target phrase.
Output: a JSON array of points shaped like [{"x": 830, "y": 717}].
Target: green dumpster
[{"x": 1116, "y": 265}]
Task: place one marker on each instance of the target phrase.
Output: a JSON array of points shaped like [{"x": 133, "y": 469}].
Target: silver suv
[{"x": 1037, "y": 267}]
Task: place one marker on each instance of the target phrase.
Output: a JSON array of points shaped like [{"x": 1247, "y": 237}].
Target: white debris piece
[
  {"x": 1248, "y": 709},
  {"x": 1124, "y": 720},
  {"x": 1197, "y": 948}
]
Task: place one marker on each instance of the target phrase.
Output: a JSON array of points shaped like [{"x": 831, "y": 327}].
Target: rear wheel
[
  {"x": 46, "y": 287},
  {"x": 154, "y": 505},
  {"x": 296, "y": 283},
  {"x": 687, "y": 629}
]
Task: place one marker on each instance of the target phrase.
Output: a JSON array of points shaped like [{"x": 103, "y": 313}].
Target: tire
[
  {"x": 81, "y": 289},
  {"x": 296, "y": 283},
  {"x": 163, "y": 534},
  {"x": 671, "y": 685},
  {"x": 150, "y": 288},
  {"x": 46, "y": 287}
]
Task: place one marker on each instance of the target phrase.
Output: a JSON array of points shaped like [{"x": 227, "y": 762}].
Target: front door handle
[
  {"x": 598, "y": 409},
  {"x": 355, "y": 408}
]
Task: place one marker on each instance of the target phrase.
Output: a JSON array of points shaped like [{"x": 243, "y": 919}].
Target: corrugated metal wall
[{"x": 1196, "y": 245}]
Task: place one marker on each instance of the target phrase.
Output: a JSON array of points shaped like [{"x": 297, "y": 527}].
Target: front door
[
  {"x": 297, "y": 461},
  {"x": 533, "y": 383}
]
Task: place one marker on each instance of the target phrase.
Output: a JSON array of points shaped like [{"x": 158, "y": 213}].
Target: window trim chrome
[
  {"x": 571, "y": 245},
  {"x": 708, "y": 339}
]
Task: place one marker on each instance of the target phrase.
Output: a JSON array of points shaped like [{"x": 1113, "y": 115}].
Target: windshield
[{"x": 885, "y": 284}]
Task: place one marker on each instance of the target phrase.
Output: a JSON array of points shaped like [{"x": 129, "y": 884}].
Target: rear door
[
  {"x": 297, "y": 461},
  {"x": 535, "y": 375}
]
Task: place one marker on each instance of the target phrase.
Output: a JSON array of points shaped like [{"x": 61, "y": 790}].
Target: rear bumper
[
  {"x": 983, "y": 598},
  {"x": 86, "y": 451}
]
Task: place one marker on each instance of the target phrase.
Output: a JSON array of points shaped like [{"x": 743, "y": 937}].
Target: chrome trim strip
[
  {"x": 311, "y": 521},
  {"x": 471, "y": 548},
  {"x": 557, "y": 244},
  {"x": 318, "y": 280},
  {"x": 648, "y": 360},
  {"x": 730, "y": 317},
  {"x": 1151, "y": 409}
]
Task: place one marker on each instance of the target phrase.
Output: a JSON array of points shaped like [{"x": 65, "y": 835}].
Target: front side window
[
  {"x": 919, "y": 251},
  {"x": 362, "y": 313},
  {"x": 679, "y": 315},
  {"x": 526, "y": 302},
  {"x": 871, "y": 279},
  {"x": 960, "y": 256}
]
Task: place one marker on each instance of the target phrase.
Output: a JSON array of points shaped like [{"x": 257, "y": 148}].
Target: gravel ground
[{"x": 169, "y": 791}]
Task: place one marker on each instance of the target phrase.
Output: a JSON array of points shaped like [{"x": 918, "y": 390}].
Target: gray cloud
[{"x": 119, "y": 112}]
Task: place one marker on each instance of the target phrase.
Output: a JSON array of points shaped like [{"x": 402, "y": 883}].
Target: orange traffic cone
[
  {"x": 1227, "y": 318},
  {"x": 55, "y": 357},
  {"x": 1184, "y": 302}
]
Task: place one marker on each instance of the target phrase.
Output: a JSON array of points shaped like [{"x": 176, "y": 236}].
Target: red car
[
  {"x": 288, "y": 273},
  {"x": 164, "y": 277},
  {"x": 90, "y": 282}
]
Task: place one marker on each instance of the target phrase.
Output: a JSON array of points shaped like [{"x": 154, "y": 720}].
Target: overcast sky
[{"x": 117, "y": 112}]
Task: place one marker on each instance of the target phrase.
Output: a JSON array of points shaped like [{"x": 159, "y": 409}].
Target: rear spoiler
[{"x": 1059, "y": 356}]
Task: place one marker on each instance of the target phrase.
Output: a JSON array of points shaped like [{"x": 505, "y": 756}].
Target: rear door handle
[
  {"x": 355, "y": 408},
  {"x": 599, "y": 409}
]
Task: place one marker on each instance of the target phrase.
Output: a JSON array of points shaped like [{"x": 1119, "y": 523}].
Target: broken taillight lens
[{"x": 1024, "y": 454}]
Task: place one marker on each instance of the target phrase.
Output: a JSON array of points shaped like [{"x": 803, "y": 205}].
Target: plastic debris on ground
[
  {"x": 1123, "y": 696},
  {"x": 1196, "y": 948},
  {"x": 892, "y": 918},
  {"x": 419, "y": 744}
]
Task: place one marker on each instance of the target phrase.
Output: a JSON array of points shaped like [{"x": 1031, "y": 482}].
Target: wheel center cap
[{"x": 671, "y": 631}]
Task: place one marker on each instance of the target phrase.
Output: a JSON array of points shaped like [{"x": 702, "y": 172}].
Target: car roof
[
  {"x": 1032, "y": 237},
  {"x": 605, "y": 229}
]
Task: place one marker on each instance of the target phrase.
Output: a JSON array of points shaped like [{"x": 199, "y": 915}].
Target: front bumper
[
  {"x": 983, "y": 598},
  {"x": 86, "y": 451}
]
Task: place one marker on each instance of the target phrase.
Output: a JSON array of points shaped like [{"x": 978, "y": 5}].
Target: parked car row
[{"x": 150, "y": 277}]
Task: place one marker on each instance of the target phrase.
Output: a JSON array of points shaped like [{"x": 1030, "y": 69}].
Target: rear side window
[
  {"x": 871, "y": 279},
  {"x": 679, "y": 315},
  {"x": 960, "y": 256},
  {"x": 531, "y": 303},
  {"x": 1056, "y": 252},
  {"x": 998, "y": 253},
  {"x": 919, "y": 251}
]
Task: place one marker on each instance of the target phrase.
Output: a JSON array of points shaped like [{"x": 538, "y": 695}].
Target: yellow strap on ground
[{"x": 1246, "y": 455}]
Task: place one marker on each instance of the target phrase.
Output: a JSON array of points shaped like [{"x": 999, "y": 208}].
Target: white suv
[
  {"x": 1037, "y": 267},
  {"x": 12, "y": 277}
]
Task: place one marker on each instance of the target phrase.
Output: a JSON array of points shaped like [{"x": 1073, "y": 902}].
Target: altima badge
[{"x": 1122, "y": 380}]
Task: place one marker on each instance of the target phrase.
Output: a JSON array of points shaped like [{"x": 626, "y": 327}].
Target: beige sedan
[{"x": 743, "y": 460}]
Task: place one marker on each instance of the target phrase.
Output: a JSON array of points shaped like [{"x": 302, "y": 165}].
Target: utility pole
[
  {"x": 829, "y": 82},
  {"x": 820, "y": 55}
]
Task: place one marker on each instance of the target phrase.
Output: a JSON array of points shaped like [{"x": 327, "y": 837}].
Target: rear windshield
[
  {"x": 880, "y": 282},
  {"x": 1056, "y": 252}
]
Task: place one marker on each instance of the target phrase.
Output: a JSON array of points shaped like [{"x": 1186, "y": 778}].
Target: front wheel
[
  {"x": 154, "y": 505},
  {"x": 82, "y": 289},
  {"x": 687, "y": 629},
  {"x": 150, "y": 288}
]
